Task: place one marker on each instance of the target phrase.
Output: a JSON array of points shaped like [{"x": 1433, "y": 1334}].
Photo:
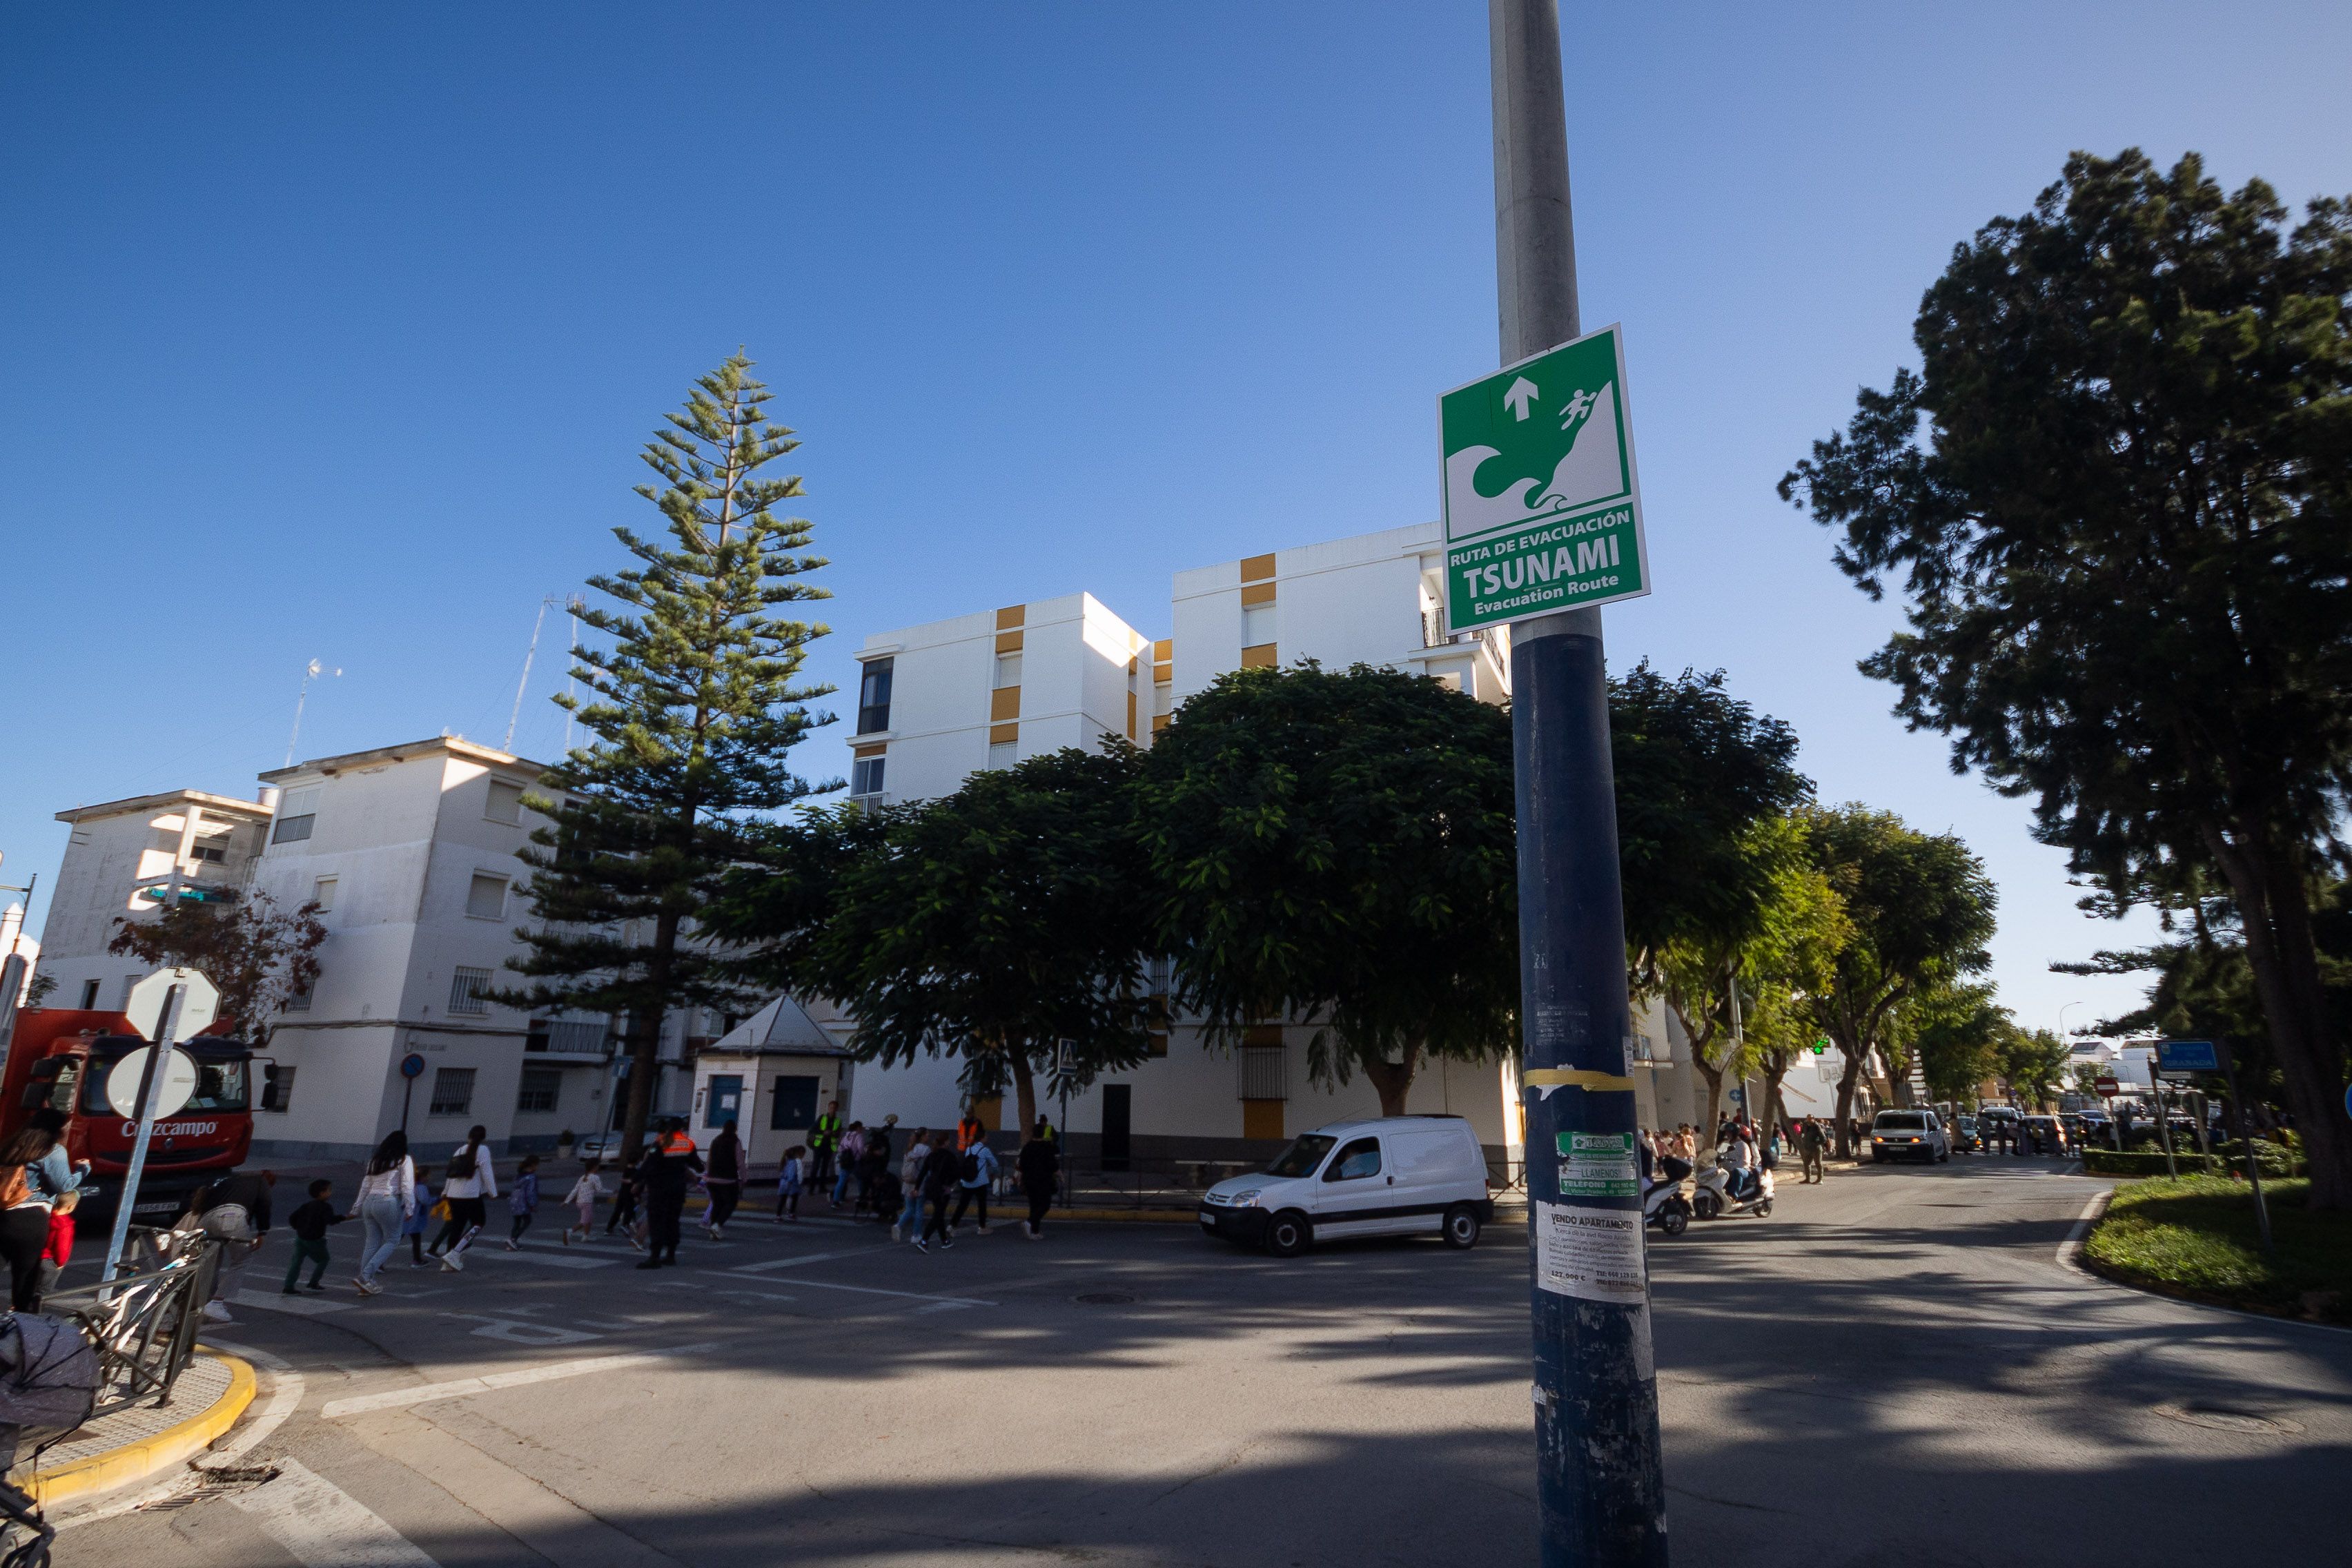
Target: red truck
[{"x": 59, "y": 1056}]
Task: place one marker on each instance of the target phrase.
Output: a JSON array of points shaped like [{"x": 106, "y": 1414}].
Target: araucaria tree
[
  {"x": 1336, "y": 847},
  {"x": 259, "y": 956},
  {"x": 1921, "y": 911},
  {"x": 692, "y": 708},
  {"x": 989, "y": 925},
  {"x": 2118, "y": 494}
]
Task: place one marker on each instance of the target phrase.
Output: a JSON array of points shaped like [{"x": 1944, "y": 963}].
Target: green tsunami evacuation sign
[{"x": 1543, "y": 511}]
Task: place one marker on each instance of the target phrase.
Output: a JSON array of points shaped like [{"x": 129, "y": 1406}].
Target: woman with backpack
[
  {"x": 472, "y": 1183},
  {"x": 25, "y": 1212},
  {"x": 942, "y": 1173}
]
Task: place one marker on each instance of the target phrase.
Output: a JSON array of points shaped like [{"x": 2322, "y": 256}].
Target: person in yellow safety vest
[
  {"x": 968, "y": 1131},
  {"x": 824, "y": 1138}
]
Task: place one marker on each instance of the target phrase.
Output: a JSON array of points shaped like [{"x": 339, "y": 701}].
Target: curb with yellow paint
[{"x": 156, "y": 1452}]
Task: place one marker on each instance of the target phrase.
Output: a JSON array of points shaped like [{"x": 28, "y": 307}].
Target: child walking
[
  {"x": 421, "y": 1216},
  {"x": 523, "y": 1201},
  {"x": 625, "y": 1209},
  {"x": 583, "y": 1198},
  {"x": 60, "y": 1250},
  {"x": 791, "y": 1177},
  {"x": 310, "y": 1224}
]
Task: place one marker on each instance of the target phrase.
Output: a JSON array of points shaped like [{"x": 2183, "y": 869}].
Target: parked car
[
  {"x": 604, "y": 1146},
  {"x": 1398, "y": 1175},
  {"x": 1909, "y": 1134},
  {"x": 1964, "y": 1135}
]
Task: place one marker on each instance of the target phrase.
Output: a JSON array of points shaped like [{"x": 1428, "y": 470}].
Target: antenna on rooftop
[
  {"x": 310, "y": 671},
  {"x": 515, "y": 718}
]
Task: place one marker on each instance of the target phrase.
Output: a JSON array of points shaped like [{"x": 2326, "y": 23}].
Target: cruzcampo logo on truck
[{"x": 1543, "y": 511}]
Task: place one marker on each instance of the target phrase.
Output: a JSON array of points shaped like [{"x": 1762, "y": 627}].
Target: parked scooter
[
  {"x": 1667, "y": 1203},
  {"x": 1716, "y": 1196}
]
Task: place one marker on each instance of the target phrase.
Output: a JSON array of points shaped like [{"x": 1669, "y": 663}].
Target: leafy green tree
[
  {"x": 2034, "y": 1062},
  {"x": 1786, "y": 950},
  {"x": 1339, "y": 847},
  {"x": 2118, "y": 497},
  {"x": 692, "y": 710},
  {"x": 988, "y": 925},
  {"x": 1922, "y": 910},
  {"x": 1955, "y": 1031},
  {"x": 259, "y": 957}
]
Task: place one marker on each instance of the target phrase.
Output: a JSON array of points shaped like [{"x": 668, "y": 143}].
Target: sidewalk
[{"x": 141, "y": 1442}]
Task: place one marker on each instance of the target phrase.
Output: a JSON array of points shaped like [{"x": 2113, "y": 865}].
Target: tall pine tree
[{"x": 693, "y": 707}]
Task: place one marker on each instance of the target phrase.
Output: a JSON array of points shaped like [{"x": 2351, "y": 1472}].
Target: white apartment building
[
  {"x": 410, "y": 852},
  {"x": 120, "y": 861},
  {"x": 941, "y": 700}
]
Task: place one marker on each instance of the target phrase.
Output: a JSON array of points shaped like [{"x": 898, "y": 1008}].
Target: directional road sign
[
  {"x": 2106, "y": 1086},
  {"x": 1543, "y": 511},
  {"x": 2188, "y": 1056},
  {"x": 197, "y": 1008}
]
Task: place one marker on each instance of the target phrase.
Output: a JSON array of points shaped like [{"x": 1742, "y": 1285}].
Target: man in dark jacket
[
  {"x": 940, "y": 1173},
  {"x": 668, "y": 1165},
  {"x": 1041, "y": 1172}
]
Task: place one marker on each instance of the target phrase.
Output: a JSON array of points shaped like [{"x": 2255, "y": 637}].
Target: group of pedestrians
[
  {"x": 38, "y": 1190},
  {"x": 923, "y": 1196}
]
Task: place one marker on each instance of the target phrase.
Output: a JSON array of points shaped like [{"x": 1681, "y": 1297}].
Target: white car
[
  {"x": 1909, "y": 1134},
  {"x": 1398, "y": 1175}
]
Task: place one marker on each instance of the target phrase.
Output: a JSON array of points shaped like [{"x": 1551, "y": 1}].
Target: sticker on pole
[
  {"x": 1592, "y": 1253},
  {"x": 1542, "y": 505},
  {"x": 1598, "y": 1165}
]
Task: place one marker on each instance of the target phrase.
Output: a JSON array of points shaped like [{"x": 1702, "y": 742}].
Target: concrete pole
[{"x": 1600, "y": 1480}]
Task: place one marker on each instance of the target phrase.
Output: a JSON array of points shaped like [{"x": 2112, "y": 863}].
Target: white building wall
[
  {"x": 402, "y": 834},
  {"x": 117, "y": 850}
]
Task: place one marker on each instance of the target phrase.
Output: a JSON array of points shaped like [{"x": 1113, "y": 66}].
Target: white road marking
[
  {"x": 474, "y": 1255},
  {"x": 286, "y": 1396},
  {"x": 521, "y": 1331},
  {"x": 861, "y": 1289},
  {"x": 323, "y": 1526},
  {"x": 465, "y": 1387},
  {"x": 300, "y": 1306},
  {"x": 796, "y": 1262},
  {"x": 2066, "y": 1248}
]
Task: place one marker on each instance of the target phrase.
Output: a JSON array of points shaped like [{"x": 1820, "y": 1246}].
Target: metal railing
[{"x": 143, "y": 1323}]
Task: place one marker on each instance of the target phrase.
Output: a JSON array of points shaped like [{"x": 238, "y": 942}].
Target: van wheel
[
  {"x": 1461, "y": 1226},
  {"x": 1707, "y": 1205},
  {"x": 1945, "y": 1158},
  {"x": 1287, "y": 1234}
]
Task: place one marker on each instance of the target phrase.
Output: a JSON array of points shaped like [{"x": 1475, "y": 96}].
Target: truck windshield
[
  {"x": 1301, "y": 1158},
  {"x": 220, "y": 1086}
]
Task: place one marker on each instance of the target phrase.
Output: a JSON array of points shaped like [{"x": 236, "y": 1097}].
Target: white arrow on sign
[
  {"x": 198, "y": 1009},
  {"x": 1523, "y": 392}
]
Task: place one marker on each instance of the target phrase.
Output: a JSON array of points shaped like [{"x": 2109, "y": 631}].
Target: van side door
[{"x": 1352, "y": 1195}]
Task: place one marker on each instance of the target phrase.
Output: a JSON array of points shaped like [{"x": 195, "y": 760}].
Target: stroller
[{"x": 48, "y": 1385}]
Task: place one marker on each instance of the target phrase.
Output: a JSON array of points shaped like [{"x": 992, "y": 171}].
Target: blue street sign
[
  {"x": 2187, "y": 1056},
  {"x": 412, "y": 1066}
]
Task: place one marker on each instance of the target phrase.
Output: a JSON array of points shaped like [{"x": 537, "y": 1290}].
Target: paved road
[{"x": 1894, "y": 1367}]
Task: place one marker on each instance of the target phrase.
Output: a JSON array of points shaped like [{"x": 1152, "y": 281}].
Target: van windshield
[
  {"x": 1301, "y": 1158},
  {"x": 220, "y": 1086},
  {"x": 1902, "y": 1121}
]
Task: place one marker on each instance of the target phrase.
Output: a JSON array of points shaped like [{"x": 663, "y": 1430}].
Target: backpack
[{"x": 968, "y": 1168}]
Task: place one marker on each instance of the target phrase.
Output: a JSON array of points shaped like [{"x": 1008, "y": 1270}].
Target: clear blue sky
[{"x": 333, "y": 331}]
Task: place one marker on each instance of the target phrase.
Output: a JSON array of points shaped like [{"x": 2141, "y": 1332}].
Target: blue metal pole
[{"x": 1600, "y": 1482}]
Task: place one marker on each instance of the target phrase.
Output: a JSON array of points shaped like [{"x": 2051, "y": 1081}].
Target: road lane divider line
[
  {"x": 489, "y": 1383},
  {"x": 299, "y": 1306},
  {"x": 774, "y": 1263},
  {"x": 859, "y": 1289},
  {"x": 320, "y": 1525}
]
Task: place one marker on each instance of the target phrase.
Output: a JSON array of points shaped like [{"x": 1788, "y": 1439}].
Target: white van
[{"x": 1398, "y": 1175}]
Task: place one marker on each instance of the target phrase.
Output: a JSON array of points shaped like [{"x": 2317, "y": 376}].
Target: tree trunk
[
  {"x": 2274, "y": 906},
  {"x": 1845, "y": 1101},
  {"x": 1393, "y": 1081},
  {"x": 645, "y": 1039},
  {"x": 1773, "y": 1112},
  {"x": 1713, "y": 1079},
  {"x": 1024, "y": 1091}
]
